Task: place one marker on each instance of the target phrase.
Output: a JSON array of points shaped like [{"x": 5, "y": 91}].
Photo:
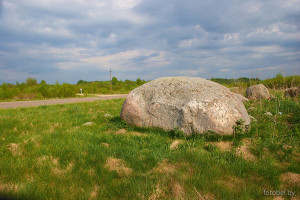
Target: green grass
[
  {"x": 41, "y": 98},
  {"x": 47, "y": 153}
]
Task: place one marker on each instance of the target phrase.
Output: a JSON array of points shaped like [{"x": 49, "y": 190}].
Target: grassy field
[{"x": 48, "y": 153}]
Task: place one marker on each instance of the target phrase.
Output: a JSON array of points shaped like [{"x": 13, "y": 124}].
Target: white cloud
[
  {"x": 275, "y": 29},
  {"x": 276, "y": 67},
  {"x": 125, "y": 4},
  {"x": 75, "y": 38},
  {"x": 186, "y": 43},
  {"x": 70, "y": 65},
  {"x": 267, "y": 49},
  {"x": 232, "y": 36},
  {"x": 290, "y": 3},
  {"x": 183, "y": 72},
  {"x": 122, "y": 60},
  {"x": 225, "y": 70},
  {"x": 12, "y": 76},
  {"x": 254, "y": 8}
]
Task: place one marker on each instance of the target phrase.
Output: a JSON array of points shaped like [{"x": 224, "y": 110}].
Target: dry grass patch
[
  {"x": 232, "y": 182},
  {"x": 224, "y": 145},
  {"x": 54, "y": 162},
  {"x": 91, "y": 172},
  {"x": 36, "y": 141},
  {"x": 117, "y": 165},
  {"x": 120, "y": 132},
  {"x": 15, "y": 149},
  {"x": 278, "y": 198},
  {"x": 296, "y": 156},
  {"x": 244, "y": 151},
  {"x": 207, "y": 196},
  {"x": 25, "y": 133},
  {"x": 58, "y": 171},
  {"x": 158, "y": 193},
  {"x": 45, "y": 160},
  {"x": 94, "y": 192},
  {"x": 255, "y": 177},
  {"x": 177, "y": 190},
  {"x": 29, "y": 178},
  {"x": 9, "y": 187},
  {"x": 165, "y": 167},
  {"x": 134, "y": 133},
  {"x": 54, "y": 126},
  {"x": 290, "y": 179},
  {"x": 175, "y": 144},
  {"x": 169, "y": 189},
  {"x": 105, "y": 144},
  {"x": 123, "y": 132}
]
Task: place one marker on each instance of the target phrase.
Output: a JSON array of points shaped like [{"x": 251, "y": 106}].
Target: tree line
[
  {"x": 278, "y": 82},
  {"x": 31, "y": 89}
]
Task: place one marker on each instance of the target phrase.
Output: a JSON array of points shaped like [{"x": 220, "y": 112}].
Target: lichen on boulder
[{"x": 190, "y": 104}]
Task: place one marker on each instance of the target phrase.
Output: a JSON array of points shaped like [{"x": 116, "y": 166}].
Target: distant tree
[
  {"x": 31, "y": 81},
  {"x": 279, "y": 76},
  {"x": 94, "y": 87},
  {"x": 66, "y": 90},
  {"x": 81, "y": 81},
  {"x": 114, "y": 81},
  {"x": 6, "y": 92},
  {"x": 4, "y": 86},
  {"x": 22, "y": 86},
  {"x": 43, "y": 89},
  {"x": 243, "y": 80},
  {"x": 138, "y": 81}
]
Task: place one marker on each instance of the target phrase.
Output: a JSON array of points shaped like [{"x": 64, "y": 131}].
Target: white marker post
[{"x": 80, "y": 90}]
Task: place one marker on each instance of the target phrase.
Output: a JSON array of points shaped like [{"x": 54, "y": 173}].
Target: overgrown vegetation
[
  {"x": 277, "y": 82},
  {"x": 33, "y": 90},
  {"x": 48, "y": 153},
  {"x": 103, "y": 87}
]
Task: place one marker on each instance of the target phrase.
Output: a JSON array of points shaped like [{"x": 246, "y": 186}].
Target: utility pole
[
  {"x": 110, "y": 79},
  {"x": 234, "y": 79}
]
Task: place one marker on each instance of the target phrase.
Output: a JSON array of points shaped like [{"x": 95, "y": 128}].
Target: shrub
[
  {"x": 31, "y": 81},
  {"x": 66, "y": 90},
  {"x": 43, "y": 89}
]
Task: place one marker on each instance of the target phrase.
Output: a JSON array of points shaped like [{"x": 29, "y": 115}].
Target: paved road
[{"x": 36, "y": 103}]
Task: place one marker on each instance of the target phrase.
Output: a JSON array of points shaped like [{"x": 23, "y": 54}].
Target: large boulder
[
  {"x": 257, "y": 92},
  {"x": 193, "y": 105}
]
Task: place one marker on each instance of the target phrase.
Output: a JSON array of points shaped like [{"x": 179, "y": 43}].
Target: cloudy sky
[{"x": 69, "y": 40}]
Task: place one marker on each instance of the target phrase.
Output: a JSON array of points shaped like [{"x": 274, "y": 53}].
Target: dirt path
[{"x": 36, "y": 103}]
